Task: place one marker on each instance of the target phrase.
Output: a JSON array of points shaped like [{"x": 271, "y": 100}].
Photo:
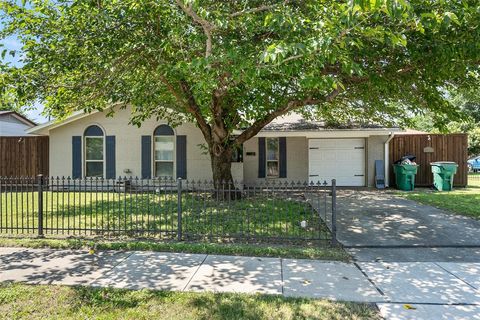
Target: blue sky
[{"x": 12, "y": 43}]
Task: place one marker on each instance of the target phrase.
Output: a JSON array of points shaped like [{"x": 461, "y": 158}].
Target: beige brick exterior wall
[
  {"x": 128, "y": 145},
  {"x": 128, "y": 149}
]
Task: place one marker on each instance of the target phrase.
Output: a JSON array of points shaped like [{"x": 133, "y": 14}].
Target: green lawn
[
  {"x": 463, "y": 201},
  {"x": 18, "y": 301},
  {"x": 145, "y": 214}
]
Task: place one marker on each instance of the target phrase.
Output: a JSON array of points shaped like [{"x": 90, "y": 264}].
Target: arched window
[
  {"x": 94, "y": 151},
  {"x": 163, "y": 151}
]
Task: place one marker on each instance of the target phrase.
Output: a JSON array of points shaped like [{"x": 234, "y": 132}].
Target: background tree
[
  {"x": 229, "y": 65},
  {"x": 9, "y": 103},
  {"x": 468, "y": 102}
]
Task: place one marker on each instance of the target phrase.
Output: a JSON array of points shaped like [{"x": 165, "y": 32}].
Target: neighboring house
[
  {"x": 289, "y": 149},
  {"x": 13, "y": 124}
]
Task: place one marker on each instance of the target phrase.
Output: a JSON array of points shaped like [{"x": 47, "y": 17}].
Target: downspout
[{"x": 387, "y": 159}]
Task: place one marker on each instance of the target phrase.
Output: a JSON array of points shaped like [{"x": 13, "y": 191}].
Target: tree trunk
[
  {"x": 222, "y": 166},
  {"x": 222, "y": 174}
]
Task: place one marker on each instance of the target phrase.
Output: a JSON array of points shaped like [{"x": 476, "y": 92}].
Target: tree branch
[
  {"x": 339, "y": 36},
  {"x": 193, "y": 108},
  {"x": 257, "y": 9},
  {"x": 297, "y": 104},
  {"x": 172, "y": 90},
  {"x": 206, "y": 26},
  {"x": 116, "y": 66},
  {"x": 290, "y": 106}
]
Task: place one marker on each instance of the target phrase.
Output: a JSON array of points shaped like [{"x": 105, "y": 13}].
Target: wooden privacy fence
[
  {"x": 23, "y": 156},
  {"x": 430, "y": 148}
]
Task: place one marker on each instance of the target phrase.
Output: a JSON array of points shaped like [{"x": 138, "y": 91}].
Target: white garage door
[{"x": 340, "y": 159}]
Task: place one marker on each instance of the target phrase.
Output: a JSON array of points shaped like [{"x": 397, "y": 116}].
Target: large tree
[{"x": 229, "y": 65}]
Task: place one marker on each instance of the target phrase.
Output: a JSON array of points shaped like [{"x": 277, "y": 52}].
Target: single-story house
[
  {"x": 289, "y": 149},
  {"x": 13, "y": 124}
]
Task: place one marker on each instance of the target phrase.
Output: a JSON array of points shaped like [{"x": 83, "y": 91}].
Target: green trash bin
[
  {"x": 405, "y": 176},
  {"x": 443, "y": 174}
]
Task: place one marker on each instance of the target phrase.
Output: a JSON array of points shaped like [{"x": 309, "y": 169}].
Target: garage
[{"x": 340, "y": 159}]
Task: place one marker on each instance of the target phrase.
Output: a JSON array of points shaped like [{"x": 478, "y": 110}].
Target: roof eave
[
  {"x": 46, "y": 127},
  {"x": 363, "y": 132},
  {"x": 20, "y": 117}
]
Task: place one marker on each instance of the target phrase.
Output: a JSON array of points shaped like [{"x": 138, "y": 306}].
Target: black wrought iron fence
[{"x": 168, "y": 209}]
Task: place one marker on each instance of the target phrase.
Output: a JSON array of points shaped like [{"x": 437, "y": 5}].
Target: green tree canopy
[
  {"x": 8, "y": 102},
  {"x": 230, "y": 65},
  {"x": 468, "y": 102}
]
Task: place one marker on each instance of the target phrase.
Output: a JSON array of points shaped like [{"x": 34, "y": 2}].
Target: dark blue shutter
[
  {"x": 76, "y": 157},
  {"x": 261, "y": 158},
  {"x": 181, "y": 157},
  {"x": 110, "y": 157},
  {"x": 146, "y": 157},
  {"x": 282, "y": 150}
]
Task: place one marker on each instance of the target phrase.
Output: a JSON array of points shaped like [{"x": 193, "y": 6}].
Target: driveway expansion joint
[
  {"x": 453, "y": 274},
  {"x": 193, "y": 275},
  {"x": 370, "y": 280},
  {"x": 113, "y": 267}
]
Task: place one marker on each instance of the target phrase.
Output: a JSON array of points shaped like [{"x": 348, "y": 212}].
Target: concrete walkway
[
  {"x": 435, "y": 290},
  {"x": 188, "y": 272}
]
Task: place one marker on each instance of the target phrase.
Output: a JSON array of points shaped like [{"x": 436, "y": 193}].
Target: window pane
[
  {"x": 164, "y": 169},
  {"x": 272, "y": 168},
  {"x": 94, "y": 169},
  {"x": 272, "y": 149},
  {"x": 164, "y": 148},
  {"x": 237, "y": 154},
  {"x": 94, "y": 148}
]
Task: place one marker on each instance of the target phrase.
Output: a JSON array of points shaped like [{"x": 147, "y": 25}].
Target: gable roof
[
  {"x": 13, "y": 124},
  {"x": 43, "y": 128},
  {"x": 296, "y": 122},
  {"x": 18, "y": 116}
]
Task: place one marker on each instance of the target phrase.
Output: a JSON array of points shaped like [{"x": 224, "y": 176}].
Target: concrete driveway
[{"x": 371, "y": 223}]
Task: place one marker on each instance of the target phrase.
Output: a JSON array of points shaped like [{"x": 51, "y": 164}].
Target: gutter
[{"x": 387, "y": 160}]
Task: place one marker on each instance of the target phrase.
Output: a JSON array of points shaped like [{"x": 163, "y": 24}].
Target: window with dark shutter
[
  {"x": 181, "y": 157},
  {"x": 110, "y": 157},
  {"x": 282, "y": 151},
  {"x": 163, "y": 151},
  {"x": 76, "y": 157},
  {"x": 146, "y": 157},
  {"x": 261, "y": 158},
  {"x": 93, "y": 139}
]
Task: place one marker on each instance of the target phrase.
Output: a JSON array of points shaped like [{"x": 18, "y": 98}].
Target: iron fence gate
[{"x": 168, "y": 209}]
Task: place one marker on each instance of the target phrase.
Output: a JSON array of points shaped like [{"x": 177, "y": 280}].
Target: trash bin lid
[{"x": 440, "y": 163}]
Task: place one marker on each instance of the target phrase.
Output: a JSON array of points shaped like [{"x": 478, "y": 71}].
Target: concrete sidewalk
[
  {"x": 433, "y": 289},
  {"x": 188, "y": 272}
]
